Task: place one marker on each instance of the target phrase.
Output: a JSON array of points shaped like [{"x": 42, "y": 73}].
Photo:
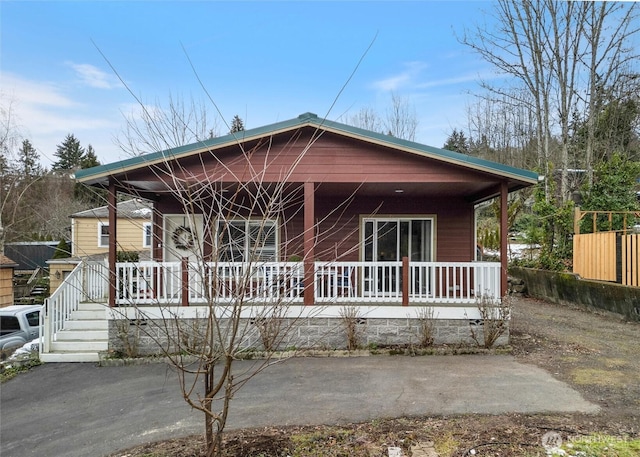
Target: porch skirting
[{"x": 142, "y": 332}]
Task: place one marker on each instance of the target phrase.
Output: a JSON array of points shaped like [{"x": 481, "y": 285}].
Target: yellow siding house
[{"x": 90, "y": 236}]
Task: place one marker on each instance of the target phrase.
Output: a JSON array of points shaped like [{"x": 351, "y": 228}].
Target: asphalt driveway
[{"x": 84, "y": 410}]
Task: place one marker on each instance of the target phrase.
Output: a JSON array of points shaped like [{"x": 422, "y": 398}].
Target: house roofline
[
  {"x": 94, "y": 175},
  {"x": 139, "y": 204}
]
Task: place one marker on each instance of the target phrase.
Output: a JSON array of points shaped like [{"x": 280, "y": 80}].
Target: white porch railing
[
  {"x": 429, "y": 282},
  {"x": 161, "y": 282},
  {"x": 87, "y": 282},
  {"x": 334, "y": 282}
]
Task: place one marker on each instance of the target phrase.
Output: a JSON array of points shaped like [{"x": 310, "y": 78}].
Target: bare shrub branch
[{"x": 495, "y": 315}]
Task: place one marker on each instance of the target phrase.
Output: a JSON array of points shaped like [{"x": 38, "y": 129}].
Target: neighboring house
[
  {"x": 30, "y": 255},
  {"x": 6, "y": 280},
  {"x": 397, "y": 220},
  {"x": 90, "y": 228},
  {"x": 31, "y": 271},
  {"x": 90, "y": 236}
]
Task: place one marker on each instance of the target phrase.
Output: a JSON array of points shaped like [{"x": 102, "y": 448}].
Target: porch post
[
  {"x": 504, "y": 191},
  {"x": 156, "y": 235},
  {"x": 184, "y": 273},
  {"x": 113, "y": 218},
  {"x": 405, "y": 281},
  {"x": 309, "y": 240}
]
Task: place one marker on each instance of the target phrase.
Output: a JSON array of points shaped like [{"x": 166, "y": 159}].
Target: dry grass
[{"x": 479, "y": 435}]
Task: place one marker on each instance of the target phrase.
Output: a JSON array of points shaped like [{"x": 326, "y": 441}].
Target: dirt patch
[{"x": 597, "y": 354}]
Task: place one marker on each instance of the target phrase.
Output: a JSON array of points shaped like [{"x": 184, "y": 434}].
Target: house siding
[
  {"x": 85, "y": 235},
  {"x": 339, "y": 230},
  {"x": 331, "y": 159},
  {"x": 6, "y": 287}
]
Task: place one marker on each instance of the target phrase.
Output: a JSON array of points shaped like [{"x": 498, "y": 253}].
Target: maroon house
[{"x": 332, "y": 214}]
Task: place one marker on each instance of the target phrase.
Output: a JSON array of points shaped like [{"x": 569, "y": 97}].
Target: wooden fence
[{"x": 608, "y": 256}]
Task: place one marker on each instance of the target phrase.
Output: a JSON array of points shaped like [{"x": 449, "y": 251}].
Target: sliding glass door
[
  {"x": 386, "y": 241},
  {"x": 391, "y": 239}
]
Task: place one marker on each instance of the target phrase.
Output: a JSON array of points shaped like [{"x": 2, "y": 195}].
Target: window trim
[
  {"x": 147, "y": 238},
  {"x": 398, "y": 218},
  {"x": 247, "y": 224},
  {"x": 100, "y": 234}
]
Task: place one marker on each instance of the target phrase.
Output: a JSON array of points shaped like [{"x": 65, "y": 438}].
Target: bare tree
[
  {"x": 21, "y": 182},
  {"x": 55, "y": 206},
  {"x": 503, "y": 130},
  {"x": 400, "y": 119},
  {"x": 227, "y": 234},
  {"x": 367, "y": 118},
  {"x": 515, "y": 48},
  {"x": 9, "y": 128},
  {"x": 9, "y": 138},
  {"x": 548, "y": 45},
  {"x": 608, "y": 28},
  {"x": 564, "y": 46},
  {"x": 157, "y": 128}
]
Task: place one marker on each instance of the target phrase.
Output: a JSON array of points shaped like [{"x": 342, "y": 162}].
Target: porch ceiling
[
  {"x": 468, "y": 190},
  {"x": 472, "y": 191}
]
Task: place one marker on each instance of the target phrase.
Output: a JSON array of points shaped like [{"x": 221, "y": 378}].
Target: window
[
  {"x": 103, "y": 234},
  {"x": 9, "y": 324},
  {"x": 33, "y": 318},
  {"x": 247, "y": 240},
  {"x": 391, "y": 239},
  {"x": 146, "y": 234}
]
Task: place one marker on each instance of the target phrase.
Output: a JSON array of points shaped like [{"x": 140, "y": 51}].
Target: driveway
[{"x": 84, "y": 410}]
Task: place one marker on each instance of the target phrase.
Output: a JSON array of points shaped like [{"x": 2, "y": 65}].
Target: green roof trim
[{"x": 306, "y": 119}]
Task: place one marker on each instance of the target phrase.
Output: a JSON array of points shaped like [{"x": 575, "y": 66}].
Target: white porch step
[
  {"x": 83, "y": 335},
  {"x": 87, "y": 324},
  {"x": 70, "y": 357},
  {"x": 79, "y": 346},
  {"x": 93, "y": 306},
  {"x": 82, "y": 314}
]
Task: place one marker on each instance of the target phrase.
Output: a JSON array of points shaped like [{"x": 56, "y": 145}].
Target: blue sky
[{"x": 265, "y": 61}]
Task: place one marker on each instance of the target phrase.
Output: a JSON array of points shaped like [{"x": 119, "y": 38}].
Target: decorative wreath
[{"x": 183, "y": 238}]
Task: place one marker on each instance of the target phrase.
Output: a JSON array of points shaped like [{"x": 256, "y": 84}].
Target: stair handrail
[{"x": 87, "y": 281}]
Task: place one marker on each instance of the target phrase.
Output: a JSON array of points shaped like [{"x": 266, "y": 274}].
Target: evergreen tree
[
  {"x": 237, "y": 125},
  {"x": 69, "y": 153},
  {"x": 457, "y": 142},
  {"x": 90, "y": 159},
  {"x": 28, "y": 161},
  {"x": 94, "y": 197},
  {"x": 613, "y": 189},
  {"x": 62, "y": 250}
]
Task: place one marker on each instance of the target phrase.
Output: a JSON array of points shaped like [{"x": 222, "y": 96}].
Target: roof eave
[{"x": 99, "y": 175}]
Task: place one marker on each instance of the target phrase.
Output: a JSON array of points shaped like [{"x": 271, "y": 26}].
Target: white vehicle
[{"x": 19, "y": 324}]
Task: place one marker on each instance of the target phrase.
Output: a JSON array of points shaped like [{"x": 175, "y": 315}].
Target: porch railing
[
  {"x": 87, "y": 282},
  {"x": 334, "y": 282}
]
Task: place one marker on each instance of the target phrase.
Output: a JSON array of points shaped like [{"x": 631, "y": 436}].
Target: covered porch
[
  {"x": 77, "y": 324},
  {"x": 308, "y": 213},
  {"x": 395, "y": 259}
]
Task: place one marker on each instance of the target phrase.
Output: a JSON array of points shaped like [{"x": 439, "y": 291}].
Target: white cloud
[
  {"x": 92, "y": 76},
  {"x": 403, "y": 79},
  {"x": 45, "y": 113},
  {"x": 39, "y": 93},
  {"x": 448, "y": 81}
]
